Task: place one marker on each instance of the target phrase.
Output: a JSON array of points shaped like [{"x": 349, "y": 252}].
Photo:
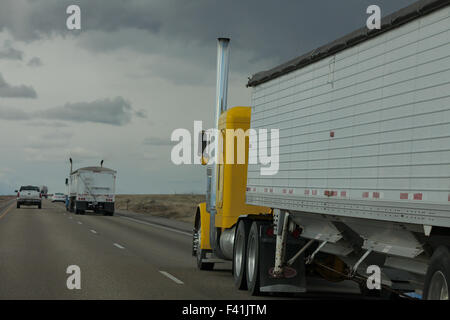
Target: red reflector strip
[
  {"x": 376, "y": 195},
  {"x": 343, "y": 193},
  {"x": 334, "y": 193},
  {"x": 449, "y": 197},
  {"x": 417, "y": 196},
  {"x": 271, "y": 190},
  {"x": 265, "y": 189},
  {"x": 314, "y": 192},
  {"x": 291, "y": 191},
  {"x": 307, "y": 192},
  {"x": 403, "y": 196},
  {"x": 365, "y": 195},
  {"x": 284, "y": 190}
]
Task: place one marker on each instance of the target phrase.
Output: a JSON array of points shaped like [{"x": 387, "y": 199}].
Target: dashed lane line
[
  {"x": 118, "y": 246},
  {"x": 171, "y": 277}
]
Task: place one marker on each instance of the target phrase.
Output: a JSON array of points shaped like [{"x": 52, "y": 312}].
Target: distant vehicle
[
  {"x": 29, "y": 196},
  {"x": 58, "y": 197},
  {"x": 91, "y": 188},
  {"x": 44, "y": 192}
]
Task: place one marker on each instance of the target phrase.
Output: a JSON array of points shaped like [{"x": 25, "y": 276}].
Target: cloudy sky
[{"x": 137, "y": 70}]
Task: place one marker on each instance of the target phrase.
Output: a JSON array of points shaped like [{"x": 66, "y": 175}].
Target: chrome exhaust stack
[{"x": 223, "y": 65}]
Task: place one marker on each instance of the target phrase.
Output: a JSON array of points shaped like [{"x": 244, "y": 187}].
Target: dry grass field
[
  {"x": 174, "y": 206},
  {"x": 4, "y": 199}
]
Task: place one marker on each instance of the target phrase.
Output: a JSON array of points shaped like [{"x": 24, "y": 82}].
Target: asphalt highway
[{"x": 126, "y": 256}]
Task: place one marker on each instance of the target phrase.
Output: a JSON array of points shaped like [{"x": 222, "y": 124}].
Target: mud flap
[{"x": 295, "y": 278}]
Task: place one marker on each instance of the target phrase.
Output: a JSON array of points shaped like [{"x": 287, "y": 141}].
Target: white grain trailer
[
  {"x": 92, "y": 188},
  {"x": 364, "y": 149}
]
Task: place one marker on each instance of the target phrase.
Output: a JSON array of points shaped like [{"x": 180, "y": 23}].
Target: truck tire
[
  {"x": 252, "y": 265},
  {"x": 240, "y": 254},
  {"x": 71, "y": 205},
  {"x": 75, "y": 208},
  {"x": 18, "y": 205},
  {"x": 201, "y": 255},
  {"x": 437, "y": 280},
  {"x": 40, "y": 206}
]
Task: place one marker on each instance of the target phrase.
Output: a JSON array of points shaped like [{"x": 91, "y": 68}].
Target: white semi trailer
[
  {"x": 364, "y": 151},
  {"x": 91, "y": 188}
]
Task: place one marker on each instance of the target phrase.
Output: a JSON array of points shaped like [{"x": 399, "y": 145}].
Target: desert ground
[
  {"x": 180, "y": 207},
  {"x": 173, "y": 206},
  {"x": 4, "y": 199}
]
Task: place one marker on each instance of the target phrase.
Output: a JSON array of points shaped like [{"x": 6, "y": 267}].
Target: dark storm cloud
[
  {"x": 263, "y": 33},
  {"x": 10, "y": 91},
  {"x": 43, "y": 123},
  {"x": 35, "y": 62},
  {"x": 11, "y": 54},
  {"x": 158, "y": 142},
  {"x": 115, "y": 111}
]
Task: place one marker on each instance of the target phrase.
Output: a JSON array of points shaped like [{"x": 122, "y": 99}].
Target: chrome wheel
[
  {"x": 251, "y": 256},
  {"x": 438, "y": 287},
  {"x": 199, "y": 253},
  {"x": 239, "y": 255}
]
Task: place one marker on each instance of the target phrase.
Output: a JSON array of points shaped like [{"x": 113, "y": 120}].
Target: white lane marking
[
  {"x": 171, "y": 277},
  {"x": 93, "y": 231},
  {"x": 79, "y": 222},
  {"x": 159, "y": 226},
  {"x": 119, "y": 246}
]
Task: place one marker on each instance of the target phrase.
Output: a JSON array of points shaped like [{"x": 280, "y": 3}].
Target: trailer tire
[
  {"x": 40, "y": 206},
  {"x": 437, "y": 279},
  {"x": 240, "y": 254},
  {"x": 252, "y": 265}
]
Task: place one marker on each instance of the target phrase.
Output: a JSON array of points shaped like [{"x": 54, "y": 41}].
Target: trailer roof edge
[{"x": 392, "y": 21}]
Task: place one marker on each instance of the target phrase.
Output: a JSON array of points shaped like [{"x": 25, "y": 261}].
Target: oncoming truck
[
  {"x": 364, "y": 165},
  {"x": 91, "y": 188}
]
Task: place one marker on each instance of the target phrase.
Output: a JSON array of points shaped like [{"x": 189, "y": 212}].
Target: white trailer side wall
[
  {"x": 387, "y": 102},
  {"x": 92, "y": 185}
]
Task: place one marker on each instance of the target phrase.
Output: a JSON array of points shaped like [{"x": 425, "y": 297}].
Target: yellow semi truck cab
[{"x": 231, "y": 180}]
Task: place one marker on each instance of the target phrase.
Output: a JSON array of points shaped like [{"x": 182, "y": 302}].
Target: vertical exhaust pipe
[
  {"x": 70, "y": 159},
  {"x": 223, "y": 65}
]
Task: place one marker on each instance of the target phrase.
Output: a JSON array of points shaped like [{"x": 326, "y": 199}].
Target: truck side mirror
[
  {"x": 202, "y": 144},
  {"x": 15, "y": 191}
]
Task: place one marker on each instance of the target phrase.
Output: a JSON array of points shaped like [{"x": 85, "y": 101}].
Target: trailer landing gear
[{"x": 254, "y": 256}]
